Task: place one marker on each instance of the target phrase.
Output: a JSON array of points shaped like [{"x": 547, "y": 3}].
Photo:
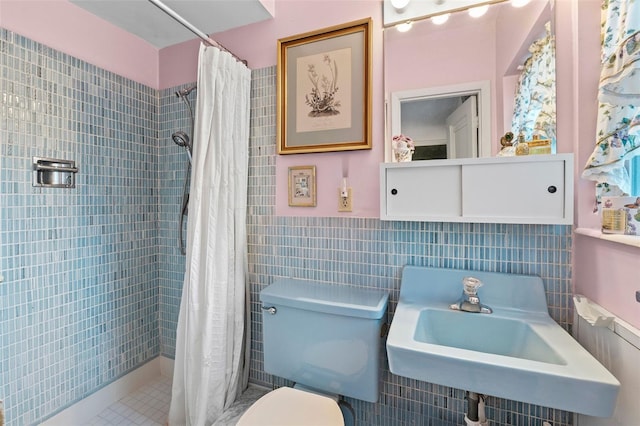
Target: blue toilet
[{"x": 325, "y": 338}]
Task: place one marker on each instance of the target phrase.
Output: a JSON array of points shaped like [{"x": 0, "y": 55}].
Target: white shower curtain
[{"x": 210, "y": 365}]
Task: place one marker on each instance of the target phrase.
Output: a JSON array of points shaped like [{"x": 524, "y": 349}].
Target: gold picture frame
[
  {"x": 324, "y": 90},
  {"x": 302, "y": 186}
]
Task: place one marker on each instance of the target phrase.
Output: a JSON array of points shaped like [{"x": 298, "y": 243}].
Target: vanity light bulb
[
  {"x": 399, "y": 4},
  {"x": 476, "y": 12},
  {"x": 440, "y": 19},
  {"x": 519, "y": 3},
  {"x": 404, "y": 27}
]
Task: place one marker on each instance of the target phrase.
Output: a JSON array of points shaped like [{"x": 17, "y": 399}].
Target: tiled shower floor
[{"x": 149, "y": 406}]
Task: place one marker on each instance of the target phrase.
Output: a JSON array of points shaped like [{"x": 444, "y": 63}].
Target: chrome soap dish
[{"x": 54, "y": 173}]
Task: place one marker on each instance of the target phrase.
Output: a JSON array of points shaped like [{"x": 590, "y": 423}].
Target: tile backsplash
[{"x": 93, "y": 276}]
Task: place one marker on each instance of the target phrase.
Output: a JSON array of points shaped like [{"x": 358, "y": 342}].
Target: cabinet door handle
[
  {"x": 394, "y": 191},
  {"x": 552, "y": 189}
]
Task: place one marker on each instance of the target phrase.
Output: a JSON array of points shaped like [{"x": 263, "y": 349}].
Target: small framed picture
[{"x": 302, "y": 186}]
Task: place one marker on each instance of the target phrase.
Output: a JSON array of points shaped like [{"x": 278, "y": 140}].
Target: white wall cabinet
[{"x": 536, "y": 189}]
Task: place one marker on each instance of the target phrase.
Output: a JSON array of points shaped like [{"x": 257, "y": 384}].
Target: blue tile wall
[
  {"x": 79, "y": 305},
  {"x": 174, "y": 116}
]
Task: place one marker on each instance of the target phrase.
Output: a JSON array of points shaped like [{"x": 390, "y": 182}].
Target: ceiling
[{"x": 147, "y": 21}]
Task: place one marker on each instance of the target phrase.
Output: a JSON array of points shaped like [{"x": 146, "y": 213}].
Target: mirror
[
  {"x": 445, "y": 122},
  {"x": 431, "y": 70}
]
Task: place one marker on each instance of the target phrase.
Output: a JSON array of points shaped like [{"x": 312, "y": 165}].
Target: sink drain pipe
[{"x": 475, "y": 410}]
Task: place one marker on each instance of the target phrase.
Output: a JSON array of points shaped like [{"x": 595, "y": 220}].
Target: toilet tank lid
[{"x": 327, "y": 298}]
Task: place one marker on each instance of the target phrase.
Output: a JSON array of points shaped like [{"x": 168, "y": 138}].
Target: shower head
[
  {"x": 185, "y": 92},
  {"x": 181, "y": 139}
]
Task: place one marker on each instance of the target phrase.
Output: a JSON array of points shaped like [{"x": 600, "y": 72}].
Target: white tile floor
[{"x": 148, "y": 406}]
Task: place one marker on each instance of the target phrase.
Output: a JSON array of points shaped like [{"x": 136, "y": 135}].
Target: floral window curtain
[
  {"x": 535, "y": 102},
  {"x": 618, "y": 131}
]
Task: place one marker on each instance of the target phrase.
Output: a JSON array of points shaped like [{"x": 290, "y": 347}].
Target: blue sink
[
  {"x": 518, "y": 352},
  {"x": 491, "y": 334}
]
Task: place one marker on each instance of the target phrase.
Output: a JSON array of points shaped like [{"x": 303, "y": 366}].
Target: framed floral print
[
  {"x": 302, "y": 186},
  {"x": 324, "y": 90}
]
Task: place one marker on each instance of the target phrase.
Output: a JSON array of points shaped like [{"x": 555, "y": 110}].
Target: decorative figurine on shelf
[
  {"x": 507, "y": 139},
  {"x": 403, "y": 148},
  {"x": 522, "y": 148},
  {"x": 507, "y": 150}
]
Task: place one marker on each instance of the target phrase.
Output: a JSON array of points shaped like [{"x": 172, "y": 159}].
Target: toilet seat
[{"x": 292, "y": 407}]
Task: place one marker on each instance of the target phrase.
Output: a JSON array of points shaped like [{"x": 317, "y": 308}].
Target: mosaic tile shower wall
[
  {"x": 371, "y": 253},
  {"x": 174, "y": 116},
  {"x": 79, "y": 304}
]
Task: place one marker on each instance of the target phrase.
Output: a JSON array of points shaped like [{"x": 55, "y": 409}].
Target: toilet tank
[{"x": 323, "y": 336}]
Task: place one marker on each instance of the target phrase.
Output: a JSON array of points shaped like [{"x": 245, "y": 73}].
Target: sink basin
[
  {"x": 518, "y": 352},
  {"x": 491, "y": 334}
]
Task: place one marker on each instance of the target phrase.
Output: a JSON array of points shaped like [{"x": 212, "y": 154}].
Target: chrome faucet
[{"x": 469, "y": 301}]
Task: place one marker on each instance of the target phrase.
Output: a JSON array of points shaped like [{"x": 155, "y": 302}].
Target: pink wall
[
  {"x": 606, "y": 273},
  {"x": 70, "y": 29},
  {"x": 178, "y": 64},
  {"x": 586, "y": 76},
  {"x": 603, "y": 271},
  {"x": 257, "y": 43}
]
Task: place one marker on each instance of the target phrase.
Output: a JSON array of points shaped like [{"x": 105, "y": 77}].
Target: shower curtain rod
[{"x": 208, "y": 40}]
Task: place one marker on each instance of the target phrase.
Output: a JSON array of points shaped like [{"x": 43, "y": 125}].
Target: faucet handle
[{"x": 471, "y": 285}]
